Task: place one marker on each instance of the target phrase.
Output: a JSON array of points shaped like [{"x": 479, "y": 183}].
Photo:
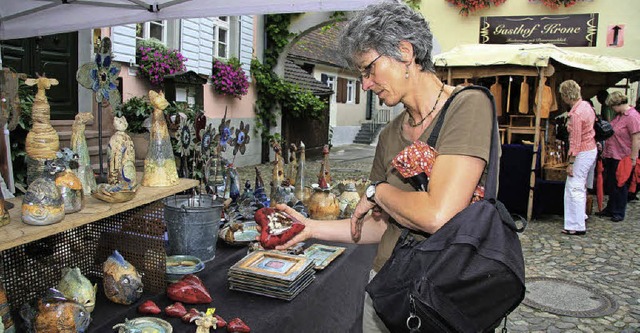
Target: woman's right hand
[{"x": 301, "y": 236}]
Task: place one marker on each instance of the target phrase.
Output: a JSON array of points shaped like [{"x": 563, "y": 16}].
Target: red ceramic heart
[
  {"x": 189, "y": 289},
  {"x": 236, "y": 325},
  {"x": 221, "y": 322},
  {"x": 176, "y": 310},
  {"x": 149, "y": 307},
  {"x": 269, "y": 241},
  {"x": 192, "y": 313}
]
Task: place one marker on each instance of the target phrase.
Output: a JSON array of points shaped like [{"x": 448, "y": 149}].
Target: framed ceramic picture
[
  {"x": 272, "y": 264},
  {"x": 323, "y": 255}
]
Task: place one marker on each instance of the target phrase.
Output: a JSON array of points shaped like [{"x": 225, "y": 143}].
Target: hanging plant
[
  {"x": 156, "y": 63},
  {"x": 467, "y": 6},
  {"x": 229, "y": 79},
  {"x": 554, "y": 4}
]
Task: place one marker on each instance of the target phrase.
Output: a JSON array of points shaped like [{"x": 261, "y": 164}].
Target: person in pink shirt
[
  {"x": 624, "y": 143},
  {"x": 582, "y": 156}
]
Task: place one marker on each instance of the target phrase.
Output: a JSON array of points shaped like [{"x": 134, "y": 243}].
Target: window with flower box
[
  {"x": 152, "y": 29},
  {"x": 221, "y": 37}
]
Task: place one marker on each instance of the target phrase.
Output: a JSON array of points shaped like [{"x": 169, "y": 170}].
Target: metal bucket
[{"x": 192, "y": 225}]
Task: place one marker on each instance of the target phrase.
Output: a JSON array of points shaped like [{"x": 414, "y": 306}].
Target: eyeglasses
[{"x": 366, "y": 72}]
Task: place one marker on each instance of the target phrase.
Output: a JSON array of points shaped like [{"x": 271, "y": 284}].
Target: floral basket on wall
[
  {"x": 467, "y": 6},
  {"x": 229, "y": 79},
  {"x": 157, "y": 62}
]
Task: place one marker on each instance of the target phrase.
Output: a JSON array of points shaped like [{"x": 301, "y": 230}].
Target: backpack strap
[{"x": 491, "y": 184}]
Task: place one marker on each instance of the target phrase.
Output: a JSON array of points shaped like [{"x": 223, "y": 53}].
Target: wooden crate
[{"x": 555, "y": 173}]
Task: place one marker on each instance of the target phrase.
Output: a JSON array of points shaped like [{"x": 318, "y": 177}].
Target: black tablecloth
[{"x": 332, "y": 303}]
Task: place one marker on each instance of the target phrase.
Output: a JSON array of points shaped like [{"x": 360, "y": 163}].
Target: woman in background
[
  {"x": 582, "y": 156},
  {"x": 620, "y": 151}
]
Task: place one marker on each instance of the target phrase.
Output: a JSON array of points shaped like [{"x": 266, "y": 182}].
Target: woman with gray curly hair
[
  {"x": 621, "y": 148},
  {"x": 582, "y": 156},
  {"x": 391, "y": 46}
]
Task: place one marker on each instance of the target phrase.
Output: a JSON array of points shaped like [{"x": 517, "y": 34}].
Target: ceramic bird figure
[
  {"x": 54, "y": 313},
  {"x": 43, "y": 204},
  {"x": 122, "y": 282},
  {"x": 75, "y": 286}
]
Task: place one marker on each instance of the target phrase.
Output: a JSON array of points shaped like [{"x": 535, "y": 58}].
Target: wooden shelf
[{"x": 18, "y": 233}]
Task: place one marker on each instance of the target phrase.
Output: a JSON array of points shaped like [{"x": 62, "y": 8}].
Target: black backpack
[{"x": 466, "y": 277}]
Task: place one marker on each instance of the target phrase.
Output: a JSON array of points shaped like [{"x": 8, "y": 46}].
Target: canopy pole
[{"x": 536, "y": 139}]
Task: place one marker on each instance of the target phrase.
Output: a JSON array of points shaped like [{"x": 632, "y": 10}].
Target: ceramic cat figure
[
  {"x": 68, "y": 183},
  {"x": 122, "y": 282},
  {"x": 79, "y": 145},
  {"x": 160, "y": 164},
  {"x": 75, "y": 286},
  {"x": 43, "y": 204},
  {"x": 122, "y": 157},
  {"x": 54, "y": 313}
]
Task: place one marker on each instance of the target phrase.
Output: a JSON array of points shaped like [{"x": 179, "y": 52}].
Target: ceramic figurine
[
  {"x": 293, "y": 164},
  {"x": 231, "y": 189},
  {"x": 122, "y": 282},
  {"x": 205, "y": 322},
  {"x": 68, "y": 183},
  {"x": 300, "y": 181},
  {"x": 348, "y": 200},
  {"x": 75, "y": 286},
  {"x": 277, "y": 172},
  {"x": 79, "y": 145},
  {"x": 323, "y": 204},
  {"x": 160, "y": 164},
  {"x": 122, "y": 157},
  {"x": 4, "y": 213},
  {"x": 190, "y": 290},
  {"x": 259, "y": 192},
  {"x": 42, "y": 141},
  {"x": 5, "y": 317},
  {"x": 327, "y": 168},
  {"x": 284, "y": 193},
  {"x": 144, "y": 325},
  {"x": 54, "y": 313},
  {"x": 43, "y": 204}
]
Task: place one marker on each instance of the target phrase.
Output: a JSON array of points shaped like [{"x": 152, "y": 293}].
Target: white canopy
[
  {"x": 534, "y": 55},
  {"x": 27, "y": 18}
]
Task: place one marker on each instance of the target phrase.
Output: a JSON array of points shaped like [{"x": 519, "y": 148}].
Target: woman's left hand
[
  {"x": 570, "y": 170},
  {"x": 357, "y": 219}
]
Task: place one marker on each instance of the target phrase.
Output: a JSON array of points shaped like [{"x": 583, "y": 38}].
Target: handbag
[
  {"x": 603, "y": 128},
  {"x": 466, "y": 277}
]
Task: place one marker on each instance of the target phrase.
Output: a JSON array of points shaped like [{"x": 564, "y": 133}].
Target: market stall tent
[
  {"x": 28, "y": 18},
  {"x": 592, "y": 72}
]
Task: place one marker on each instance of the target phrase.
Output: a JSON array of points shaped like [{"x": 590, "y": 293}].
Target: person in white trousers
[{"x": 582, "y": 155}]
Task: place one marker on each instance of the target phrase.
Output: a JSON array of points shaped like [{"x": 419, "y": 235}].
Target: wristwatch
[{"x": 371, "y": 190}]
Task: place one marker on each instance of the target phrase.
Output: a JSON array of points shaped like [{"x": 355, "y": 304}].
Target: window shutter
[
  {"x": 246, "y": 43},
  {"x": 341, "y": 96},
  {"x": 123, "y": 43},
  {"x": 357, "y": 92},
  {"x": 196, "y": 44}
]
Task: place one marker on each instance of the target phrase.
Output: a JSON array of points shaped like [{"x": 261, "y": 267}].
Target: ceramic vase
[
  {"x": 323, "y": 205},
  {"x": 43, "y": 204},
  {"x": 348, "y": 200}
]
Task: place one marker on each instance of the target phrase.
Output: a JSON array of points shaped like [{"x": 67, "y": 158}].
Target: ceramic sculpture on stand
[
  {"x": 42, "y": 141},
  {"x": 160, "y": 164},
  {"x": 42, "y": 204},
  {"x": 79, "y": 145},
  {"x": 121, "y": 175},
  {"x": 302, "y": 192},
  {"x": 277, "y": 172}
]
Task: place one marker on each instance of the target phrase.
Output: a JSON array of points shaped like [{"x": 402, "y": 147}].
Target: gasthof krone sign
[{"x": 561, "y": 30}]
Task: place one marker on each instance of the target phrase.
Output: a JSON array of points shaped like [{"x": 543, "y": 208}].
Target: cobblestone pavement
[{"x": 607, "y": 258}]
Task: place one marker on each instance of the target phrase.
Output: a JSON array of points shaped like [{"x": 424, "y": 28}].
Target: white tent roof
[
  {"x": 535, "y": 55},
  {"x": 27, "y": 18}
]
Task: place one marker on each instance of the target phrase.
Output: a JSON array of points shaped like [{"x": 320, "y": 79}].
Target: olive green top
[{"x": 466, "y": 131}]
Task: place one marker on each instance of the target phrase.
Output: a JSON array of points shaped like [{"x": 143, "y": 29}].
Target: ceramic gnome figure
[
  {"x": 79, "y": 145},
  {"x": 122, "y": 157},
  {"x": 42, "y": 141},
  {"x": 160, "y": 164}
]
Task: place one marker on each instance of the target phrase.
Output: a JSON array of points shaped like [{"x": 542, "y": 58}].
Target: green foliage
[
  {"x": 414, "y": 4},
  {"x": 136, "y": 110},
  {"x": 273, "y": 90},
  {"x": 152, "y": 43},
  {"x": 19, "y": 134}
]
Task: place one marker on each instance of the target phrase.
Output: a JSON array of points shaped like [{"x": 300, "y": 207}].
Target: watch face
[{"x": 371, "y": 191}]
